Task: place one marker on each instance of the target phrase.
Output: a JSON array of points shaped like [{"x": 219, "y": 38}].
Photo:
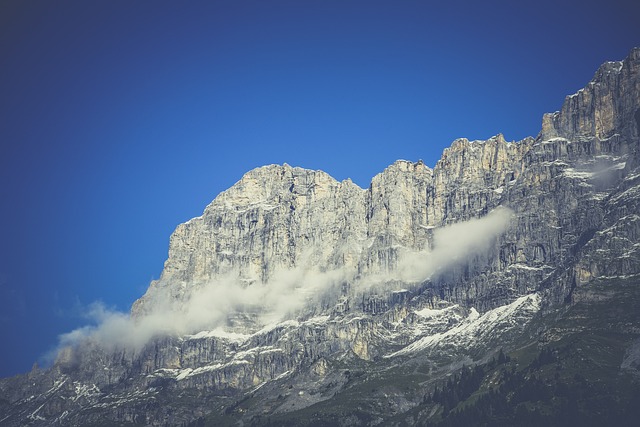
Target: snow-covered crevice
[{"x": 477, "y": 328}]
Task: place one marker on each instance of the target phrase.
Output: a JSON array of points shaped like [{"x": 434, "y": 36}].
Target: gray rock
[{"x": 575, "y": 195}]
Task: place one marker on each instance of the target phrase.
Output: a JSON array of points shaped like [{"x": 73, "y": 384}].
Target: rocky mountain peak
[
  {"x": 418, "y": 170},
  {"x": 294, "y": 290},
  {"x": 273, "y": 183},
  {"x": 598, "y": 110}
]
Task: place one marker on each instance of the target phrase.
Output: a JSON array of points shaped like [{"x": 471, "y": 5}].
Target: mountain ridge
[{"x": 292, "y": 280}]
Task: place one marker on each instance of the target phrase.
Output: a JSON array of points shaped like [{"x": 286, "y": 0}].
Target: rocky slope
[{"x": 293, "y": 289}]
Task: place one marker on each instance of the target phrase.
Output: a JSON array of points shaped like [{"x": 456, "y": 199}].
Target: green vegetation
[
  {"x": 539, "y": 395},
  {"x": 575, "y": 379}
]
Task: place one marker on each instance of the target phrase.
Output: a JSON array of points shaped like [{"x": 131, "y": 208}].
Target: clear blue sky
[{"x": 121, "y": 119}]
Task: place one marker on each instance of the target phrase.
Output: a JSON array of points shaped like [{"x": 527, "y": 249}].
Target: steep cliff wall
[
  {"x": 573, "y": 200},
  {"x": 279, "y": 217},
  {"x": 571, "y": 189}
]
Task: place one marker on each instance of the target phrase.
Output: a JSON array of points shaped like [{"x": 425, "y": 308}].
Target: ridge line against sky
[{"x": 120, "y": 120}]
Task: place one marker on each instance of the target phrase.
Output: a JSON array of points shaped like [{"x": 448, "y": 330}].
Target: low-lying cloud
[
  {"x": 454, "y": 244},
  {"x": 219, "y": 303}
]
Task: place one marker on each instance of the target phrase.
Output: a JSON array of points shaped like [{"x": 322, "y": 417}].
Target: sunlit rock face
[
  {"x": 605, "y": 107},
  {"x": 348, "y": 257},
  {"x": 281, "y": 217},
  {"x": 275, "y": 217}
]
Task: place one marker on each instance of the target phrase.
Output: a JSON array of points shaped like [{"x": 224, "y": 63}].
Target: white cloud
[
  {"x": 208, "y": 306},
  {"x": 454, "y": 244}
]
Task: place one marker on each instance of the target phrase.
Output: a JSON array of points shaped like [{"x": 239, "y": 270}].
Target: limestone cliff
[
  {"x": 280, "y": 217},
  {"x": 574, "y": 195}
]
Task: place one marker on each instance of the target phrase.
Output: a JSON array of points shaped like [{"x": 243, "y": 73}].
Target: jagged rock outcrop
[
  {"x": 279, "y": 217},
  {"x": 272, "y": 218},
  {"x": 574, "y": 192},
  {"x": 605, "y": 107}
]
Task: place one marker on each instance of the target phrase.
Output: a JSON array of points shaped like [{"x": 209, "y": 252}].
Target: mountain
[{"x": 500, "y": 287}]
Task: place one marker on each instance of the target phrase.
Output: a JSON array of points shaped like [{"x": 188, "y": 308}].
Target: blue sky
[{"x": 121, "y": 119}]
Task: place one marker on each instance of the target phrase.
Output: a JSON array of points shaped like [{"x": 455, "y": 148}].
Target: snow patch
[
  {"x": 221, "y": 334},
  {"x": 618, "y": 166},
  {"x": 188, "y": 372},
  {"x": 271, "y": 326},
  {"x": 575, "y": 174},
  {"x": 85, "y": 390},
  {"x": 427, "y": 227},
  {"x": 317, "y": 320},
  {"x": 184, "y": 373},
  {"x": 555, "y": 140},
  {"x": 33, "y": 416},
  {"x": 527, "y": 267},
  {"x": 475, "y": 326},
  {"x": 430, "y": 312}
]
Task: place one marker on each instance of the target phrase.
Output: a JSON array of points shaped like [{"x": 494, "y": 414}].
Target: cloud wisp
[
  {"x": 286, "y": 295},
  {"x": 454, "y": 244}
]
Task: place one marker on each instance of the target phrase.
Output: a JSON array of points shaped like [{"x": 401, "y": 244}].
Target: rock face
[
  {"x": 574, "y": 194},
  {"x": 605, "y": 107},
  {"x": 272, "y": 218}
]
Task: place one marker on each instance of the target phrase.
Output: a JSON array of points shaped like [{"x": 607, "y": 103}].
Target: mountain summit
[{"x": 501, "y": 285}]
